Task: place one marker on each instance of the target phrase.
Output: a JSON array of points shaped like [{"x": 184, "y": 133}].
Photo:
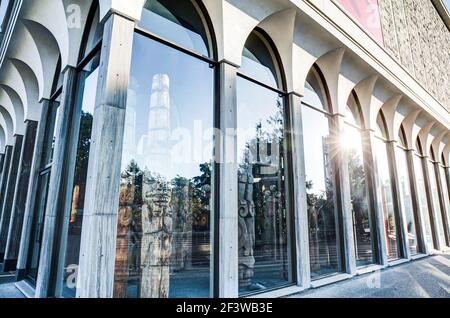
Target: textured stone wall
[{"x": 416, "y": 36}]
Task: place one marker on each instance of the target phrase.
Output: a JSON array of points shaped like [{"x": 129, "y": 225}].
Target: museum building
[{"x": 220, "y": 148}]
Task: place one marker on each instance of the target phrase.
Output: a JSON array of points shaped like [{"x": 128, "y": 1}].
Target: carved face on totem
[{"x": 156, "y": 195}]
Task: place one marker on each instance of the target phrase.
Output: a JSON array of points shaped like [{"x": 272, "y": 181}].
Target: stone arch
[
  {"x": 11, "y": 102},
  {"x": 7, "y": 124},
  {"x": 2, "y": 140},
  {"x": 31, "y": 100}
]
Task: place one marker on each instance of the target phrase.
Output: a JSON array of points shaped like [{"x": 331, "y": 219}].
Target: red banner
[{"x": 367, "y": 13}]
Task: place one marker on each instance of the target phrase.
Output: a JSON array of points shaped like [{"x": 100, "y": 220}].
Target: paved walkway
[
  {"x": 10, "y": 291},
  {"x": 424, "y": 278},
  {"x": 428, "y": 277}
]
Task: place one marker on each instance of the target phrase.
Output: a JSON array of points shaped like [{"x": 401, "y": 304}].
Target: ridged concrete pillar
[
  {"x": 227, "y": 262},
  {"x": 98, "y": 238},
  {"x": 301, "y": 226},
  {"x": 8, "y": 195},
  {"x": 20, "y": 196},
  {"x": 58, "y": 184},
  {"x": 31, "y": 192}
]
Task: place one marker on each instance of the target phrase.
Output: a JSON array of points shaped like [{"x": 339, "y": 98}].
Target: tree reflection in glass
[
  {"x": 352, "y": 145},
  {"x": 322, "y": 220},
  {"x": 388, "y": 208},
  {"x": 423, "y": 201},
  {"x": 164, "y": 221},
  {"x": 406, "y": 198},
  {"x": 263, "y": 230}
]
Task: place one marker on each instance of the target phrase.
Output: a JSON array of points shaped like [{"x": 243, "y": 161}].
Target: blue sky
[{"x": 447, "y": 4}]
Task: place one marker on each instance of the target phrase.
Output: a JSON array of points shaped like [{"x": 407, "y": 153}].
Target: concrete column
[
  {"x": 432, "y": 210},
  {"x": 3, "y": 182},
  {"x": 418, "y": 217},
  {"x": 374, "y": 197},
  {"x": 301, "y": 226},
  {"x": 98, "y": 239},
  {"x": 20, "y": 195},
  {"x": 399, "y": 208},
  {"x": 228, "y": 280},
  {"x": 31, "y": 192},
  {"x": 344, "y": 200},
  {"x": 58, "y": 184},
  {"x": 8, "y": 195},
  {"x": 442, "y": 203}
]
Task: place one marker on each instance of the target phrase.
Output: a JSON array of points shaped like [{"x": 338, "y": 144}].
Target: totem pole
[
  {"x": 246, "y": 226},
  {"x": 182, "y": 224},
  {"x": 126, "y": 199},
  {"x": 156, "y": 244}
]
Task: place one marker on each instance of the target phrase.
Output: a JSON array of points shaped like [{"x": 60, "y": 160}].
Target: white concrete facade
[{"x": 306, "y": 33}]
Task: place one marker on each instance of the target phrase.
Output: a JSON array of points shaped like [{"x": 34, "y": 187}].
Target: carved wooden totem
[
  {"x": 156, "y": 244},
  {"x": 246, "y": 227},
  {"x": 126, "y": 199},
  {"x": 182, "y": 224}
]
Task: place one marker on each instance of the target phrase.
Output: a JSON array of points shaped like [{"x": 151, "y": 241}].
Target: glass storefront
[
  {"x": 352, "y": 145},
  {"x": 388, "y": 209},
  {"x": 319, "y": 145},
  {"x": 406, "y": 198},
  {"x": 88, "y": 83},
  {"x": 434, "y": 191},
  {"x": 445, "y": 193},
  {"x": 165, "y": 210},
  {"x": 263, "y": 213},
  {"x": 423, "y": 201}
]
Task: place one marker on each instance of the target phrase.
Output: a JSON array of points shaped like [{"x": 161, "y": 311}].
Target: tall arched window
[
  {"x": 353, "y": 146},
  {"x": 390, "y": 215},
  {"x": 434, "y": 197},
  {"x": 422, "y": 194},
  {"x": 81, "y": 132},
  {"x": 264, "y": 233},
  {"x": 49, "y": 117},
  {"x": 445, "y": 193},
  {"x": 164, "y": 233},
  {"x": 319, "y": 138},
  {"x": 405, "y": 191}
]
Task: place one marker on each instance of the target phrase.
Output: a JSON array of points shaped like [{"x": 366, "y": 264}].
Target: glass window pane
[
  {"x": 79, "y": 184},
  {"x": 95, "y": 33},
  {"x": 445, "y": 194},
  {"x": 263, "y": 228},
  {"x": 390, "y": 217},
  {"x": 406, "y": 198},
  {"x": 322, "y": 218},
  {"x": 258, "y": 61},
  {"x": 176, "y": 21},
  {"x": 352, "y": 145},
  {"x": 423, "y": 201},
  {"x": 164, "y": 228},
  {"x": 435, "y": 201}
]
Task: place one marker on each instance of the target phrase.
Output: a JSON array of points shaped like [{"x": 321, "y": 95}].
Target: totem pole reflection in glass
[
  {"x": 262, "y": 222},
  {"x": 164, "y": 225}
]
